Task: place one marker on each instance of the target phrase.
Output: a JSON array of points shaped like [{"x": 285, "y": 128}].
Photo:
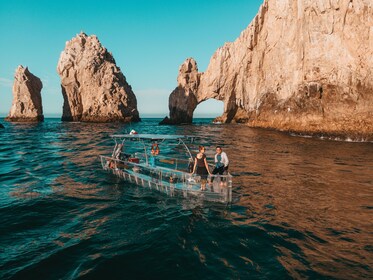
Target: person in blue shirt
[{"x": 154, "y": 152}]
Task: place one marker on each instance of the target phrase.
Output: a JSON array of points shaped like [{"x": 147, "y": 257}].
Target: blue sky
[{"x": 149, "y": 40}]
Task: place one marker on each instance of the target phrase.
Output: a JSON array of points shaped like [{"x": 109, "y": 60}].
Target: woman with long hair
[{"x": 201, "y": 167}]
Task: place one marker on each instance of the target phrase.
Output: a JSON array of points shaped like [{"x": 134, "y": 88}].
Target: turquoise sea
[{"x": 302, "y": 208}]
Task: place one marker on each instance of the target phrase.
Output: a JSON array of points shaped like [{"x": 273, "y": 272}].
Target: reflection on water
[{"x": 302, "y": 208}]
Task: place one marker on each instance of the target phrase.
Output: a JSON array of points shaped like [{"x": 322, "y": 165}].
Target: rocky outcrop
[
  {"x": 302, "y": 65},
  {"x": 182, "y": 100},
  {"x": 1, "y": 125},
  {"x": 93, "y": 87},
  {"x": 26, "y": 105}
]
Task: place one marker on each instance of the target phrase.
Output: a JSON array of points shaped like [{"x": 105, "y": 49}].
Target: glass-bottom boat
[{"x": 163, "y": 163}]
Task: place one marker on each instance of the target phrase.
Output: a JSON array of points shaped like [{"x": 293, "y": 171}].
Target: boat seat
[{"x": 134, "y": 160}]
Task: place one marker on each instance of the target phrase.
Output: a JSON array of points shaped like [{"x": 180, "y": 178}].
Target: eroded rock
[
  {"x": 302, "y": 66},
  {"x": 182, "y": 100},
  {"x": 27, "y": 103},
  {"x": 93, "y": 86}
]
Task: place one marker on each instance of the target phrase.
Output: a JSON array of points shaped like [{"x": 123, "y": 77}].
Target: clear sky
[{"x": 149, "y": 39}]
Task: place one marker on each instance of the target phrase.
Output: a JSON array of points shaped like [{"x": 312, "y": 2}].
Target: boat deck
[{"x": 170, "y": 181}]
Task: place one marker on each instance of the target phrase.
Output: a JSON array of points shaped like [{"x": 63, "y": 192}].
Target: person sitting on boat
[
  {"x": 201, "y": 167},
  {"x": 154, "y": 152},
  {"x": 221, "y": 162},
  {"x": 112, "y": 164},
  {"x": 155, "y": 149}
]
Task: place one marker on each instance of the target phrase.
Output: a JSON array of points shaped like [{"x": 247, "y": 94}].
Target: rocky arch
[
  {"x": 190, "y": 92},
  {"x": 273, "y": 76}
]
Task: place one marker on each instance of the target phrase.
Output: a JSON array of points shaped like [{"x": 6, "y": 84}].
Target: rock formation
[
  {"x": 93, "y": 87},
  {"x": 182, "y": 100},
  {"x": 27, "y": 105},
  {"x": 304, "y": 66},
  {"x": 1, "y": 125}
]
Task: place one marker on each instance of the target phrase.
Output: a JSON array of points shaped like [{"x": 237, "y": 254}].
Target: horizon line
[{"x": 149, "y": 115}]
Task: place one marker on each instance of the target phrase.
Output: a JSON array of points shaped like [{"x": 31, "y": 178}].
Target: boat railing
[
  {"x": 174, "y": 163},
  {"x": 171, "y": 161},
  {"x": 163, "y": 175}
]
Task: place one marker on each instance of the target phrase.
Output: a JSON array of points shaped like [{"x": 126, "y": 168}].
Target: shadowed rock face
[
  {"x": 183, "y": 101},
  {"x": 302, "y": 65},
  {"x": 93, "y": 87},
  {"x": 27, "y": 104}
]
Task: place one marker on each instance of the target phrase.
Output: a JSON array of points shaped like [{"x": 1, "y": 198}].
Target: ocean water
[{"x": 303, "y": 208}]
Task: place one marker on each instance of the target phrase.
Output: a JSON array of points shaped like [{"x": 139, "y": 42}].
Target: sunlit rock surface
[
  {"x": 93, "y": 86},
  {"x": 303, "y": 66},
  {"x": 27, "y": 104}
]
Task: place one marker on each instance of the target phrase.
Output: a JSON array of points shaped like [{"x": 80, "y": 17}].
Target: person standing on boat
[
  {"x": 221, "y": 162},
  {"x": 201, "y": 167}
]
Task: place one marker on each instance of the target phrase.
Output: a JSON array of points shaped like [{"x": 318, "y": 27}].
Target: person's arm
[
  {"x": 226, "y": 161},
  {"x": 194, "y": 166},
  {"x": 207, "y": 166}
]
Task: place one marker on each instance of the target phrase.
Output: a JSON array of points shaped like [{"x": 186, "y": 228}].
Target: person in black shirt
[{"x": 201, "y": 167}]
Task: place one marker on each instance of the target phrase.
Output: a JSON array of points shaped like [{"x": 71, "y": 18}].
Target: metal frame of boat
[{"x": 133, "y": 161}]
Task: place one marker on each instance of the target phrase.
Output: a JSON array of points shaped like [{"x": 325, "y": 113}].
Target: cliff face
[
  {"x": 93, "y": 87},
  {"x": 300, "y": 65},
  {"x": 26, "y": 105}
]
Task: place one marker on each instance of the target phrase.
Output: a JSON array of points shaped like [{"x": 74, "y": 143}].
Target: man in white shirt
[{"x": 221, "y": 162}]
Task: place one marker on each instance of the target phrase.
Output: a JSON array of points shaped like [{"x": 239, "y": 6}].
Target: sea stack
[
  {"x": 303, "y": 66},
  {"x": 27, "y": 104},
  {"x": 93, "y": 86}
]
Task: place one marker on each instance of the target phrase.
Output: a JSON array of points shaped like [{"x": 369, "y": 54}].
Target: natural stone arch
[
  {"x": 194, "y": 88},
  {"x": 189, "y": 93},
  {"x": 276, "y": 77}
]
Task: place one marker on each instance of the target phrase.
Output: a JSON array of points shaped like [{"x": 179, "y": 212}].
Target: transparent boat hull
[{"x": 218, "y": 188}]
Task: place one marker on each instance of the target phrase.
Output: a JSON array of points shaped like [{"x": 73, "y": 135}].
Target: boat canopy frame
[{"x": 158, "y": 138}]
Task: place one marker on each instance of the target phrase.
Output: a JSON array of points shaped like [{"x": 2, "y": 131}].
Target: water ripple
[{"x": 302, "y": 208}]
